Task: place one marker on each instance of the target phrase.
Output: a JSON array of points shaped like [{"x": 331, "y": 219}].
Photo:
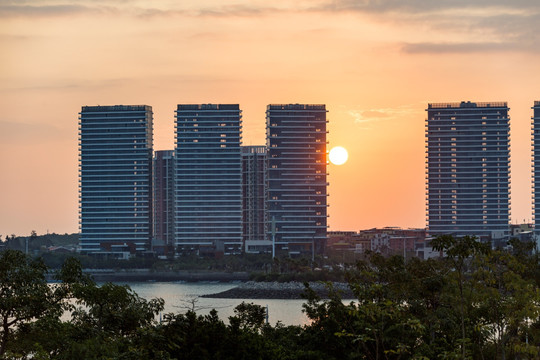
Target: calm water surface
[{"x": 178, "y": 297}]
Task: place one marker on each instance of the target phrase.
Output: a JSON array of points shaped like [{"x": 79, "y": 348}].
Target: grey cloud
[
  {"x": 441, "y": 48},
  {"x": 36, "y": 9},
  {"x": 421, "y": 6},
  {"x": 238, "y": 10},
  {"x": 491, "y": 25},
  {"x": 7, "y": 11}
]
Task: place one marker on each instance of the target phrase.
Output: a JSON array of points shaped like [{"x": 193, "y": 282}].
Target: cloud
[
  {"x": 17, "y": 133},
  {"x": 61, "y": 85},
  {"x": 239, "y": 10},
  {"x": 463, "y": 48},
  {"x": 468, "y": 26},
  {"x": 32, "y": 8},
  {"x": 421, "y": 6},
  {"x": 9, "y": 11},
  {"x": 362, "y": 116},
  {"x": 485, "y": 25},
  {"x": 18, "y": 38}
]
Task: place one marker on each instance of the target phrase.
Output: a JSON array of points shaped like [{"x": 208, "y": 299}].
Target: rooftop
[
  {"x": 208, "y": 107},
  {"x": 469, "y": 104},
  {"x": 296, "y": 107}
]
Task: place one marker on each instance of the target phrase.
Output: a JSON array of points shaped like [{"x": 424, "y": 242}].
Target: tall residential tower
[
  {"x": 164, "y": 197},
  {"x": 468, "y": 169},
  {"x": 254, "y": 199},
  {"x": 208, "y": 178},
  {"x": 115, "y": 145},
  {"x": 536, "y": 165},
  {"x": 296, "y": 194}
]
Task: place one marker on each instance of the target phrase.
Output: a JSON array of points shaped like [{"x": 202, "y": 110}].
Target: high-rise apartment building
[
  {"x": 254, "y": 199},
  {"x": 296, "y": 194},
  {"x": 536, "y": 165},
  {"x": 468, "y": 169},
  {"x": 115, "y": 145},
  {"x": 208, "y": 178},
  {"x": 164, "y": 197}
]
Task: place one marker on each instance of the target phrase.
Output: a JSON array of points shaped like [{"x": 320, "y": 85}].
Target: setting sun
[{"x": 338, "y": 155}]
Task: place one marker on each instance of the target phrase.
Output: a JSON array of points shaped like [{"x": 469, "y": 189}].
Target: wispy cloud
[
  {"x": 9, "y": 11},
  {"x": 491, "y": 25},
  {"x": 17, "y": 132},
  {"x": 32, "y": 8},
  {"x": 68, "y": 85},
  {"x": 469, "y": 25},
  {"x": 363, "y": 116},
  {"x": 463, "y": 48},
  {"x": 421, "y": 6}
]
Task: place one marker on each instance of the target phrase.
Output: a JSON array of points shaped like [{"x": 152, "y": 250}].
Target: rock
[{"x": 276, "y": 290}]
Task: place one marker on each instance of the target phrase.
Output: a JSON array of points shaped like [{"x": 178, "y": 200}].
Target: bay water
[{"x": 181, "y": 296}]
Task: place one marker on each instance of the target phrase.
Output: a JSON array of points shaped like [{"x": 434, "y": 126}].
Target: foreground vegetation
[{"x": 475, "y": 303}]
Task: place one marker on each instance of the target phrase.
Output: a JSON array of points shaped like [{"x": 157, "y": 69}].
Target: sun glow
[{"x": 338, "y": 155}]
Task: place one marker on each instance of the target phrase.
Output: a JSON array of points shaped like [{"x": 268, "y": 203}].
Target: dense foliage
[{"x": 474, "y": 303}]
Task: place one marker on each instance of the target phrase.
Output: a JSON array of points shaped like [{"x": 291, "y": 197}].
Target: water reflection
[{"x": 178, "y": 296}]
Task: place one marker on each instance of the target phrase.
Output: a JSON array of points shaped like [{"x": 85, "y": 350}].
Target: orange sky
[{"x": 375, "y": 64}]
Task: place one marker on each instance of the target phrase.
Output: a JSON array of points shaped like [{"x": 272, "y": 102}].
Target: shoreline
[
  {"x": 147, "y": 275},
  {"x": 277, "y": 290},
  {"x": 246, "y": 289}
]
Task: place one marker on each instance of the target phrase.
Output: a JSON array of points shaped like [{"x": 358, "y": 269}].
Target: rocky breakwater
[{"x": 277, "y": 290}]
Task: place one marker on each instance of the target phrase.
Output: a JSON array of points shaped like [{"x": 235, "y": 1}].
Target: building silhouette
[
  {"x": 254, "y": 200},
  {"x": 163, "y": 167},
  {"x": 467, "y": 169},
  {"x": 296, "y": 194},
  {"x": 536, "y": 165},
  {"x": 208, "y": 175},
  {"x": 115, "y": 148}
]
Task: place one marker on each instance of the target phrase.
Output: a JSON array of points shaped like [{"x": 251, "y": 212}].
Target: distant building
[
  {"x": 468, "y": 173},
  {"x": 387, "y": 241},
  {"x": 297, "y": 176},
  {"x": 115, "y": 145},
  {"x": 343, "y": 240},
  {"x": 254, "y": 200},
  {"x": 536, "y": 166},
  {"x": 523, "y": 232},
  {"x": 395, "y": 240},
  {"x": 163, "y": 166},
  {"x": 61, "y": 249},
  {"x": 208, "y": 178}
]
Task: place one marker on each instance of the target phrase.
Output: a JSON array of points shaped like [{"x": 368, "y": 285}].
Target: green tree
[
  {"x": 248, "y": 316},
  {"x": 460, "y": 252},
  {"x": 506, "y": 302},
  {"x": 25, "y": 296}
]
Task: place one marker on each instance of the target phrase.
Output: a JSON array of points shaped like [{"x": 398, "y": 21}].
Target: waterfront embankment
[
  {"x": 279, "y": 290},
  {"x": 136, "y": 275}
]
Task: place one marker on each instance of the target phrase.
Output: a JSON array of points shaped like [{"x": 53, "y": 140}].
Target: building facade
[
  {"x": 296, "y": 194},
  {"x": 115, "y": 177},
  {"x": 208, "y": 176},
  {"x": 468, "y": 169},
  {"x": 536, "y": 166},
  {"x": 163, "y": 166},
  {"x": 254, "y": 200}
]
